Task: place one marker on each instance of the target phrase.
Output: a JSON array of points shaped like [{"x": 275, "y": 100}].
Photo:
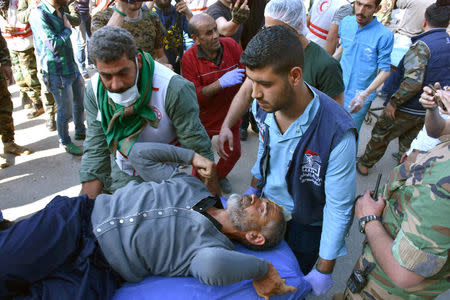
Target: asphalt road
[{"x": 30, "y": 182}]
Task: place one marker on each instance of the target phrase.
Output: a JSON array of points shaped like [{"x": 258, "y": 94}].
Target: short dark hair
[
  {"x": 437, "y": 14},
  {"x": 377, "y": 3},
  {"x": 110, "y": 43},
  {"x": 274, "y": 46}
]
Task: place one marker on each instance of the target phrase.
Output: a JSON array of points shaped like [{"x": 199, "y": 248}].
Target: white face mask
[{"x": 128, "y": 97}]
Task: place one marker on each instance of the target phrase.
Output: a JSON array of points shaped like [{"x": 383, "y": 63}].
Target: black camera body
[{"x": 357, "y": 281}]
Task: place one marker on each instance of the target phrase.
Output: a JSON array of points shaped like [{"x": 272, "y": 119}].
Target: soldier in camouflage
[
  {"x": 410, "y": 246},
  {"x": 143, "y": 24},
  {"x": 427, "y": 61},
  {"x": 410, "y": 243},
  {"x": 20, "y": 44},
  {"x": 6, "y": 108}
]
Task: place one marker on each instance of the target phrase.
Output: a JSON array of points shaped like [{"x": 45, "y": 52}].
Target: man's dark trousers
[{"x": 54, "y": 255}]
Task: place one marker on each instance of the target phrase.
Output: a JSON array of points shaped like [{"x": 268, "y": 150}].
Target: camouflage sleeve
[
  {"x": 72, "y": 14},
  {"x": 384, "y": 14},
  {"x": 100, "y": 19},
  {"x": 160, "y": 31},
  {"x": 5, "y": 60},
  {"x": 23, "y": 11},
  {"x": 415, "y": 62},
  {"x": 421, "y": 245}
]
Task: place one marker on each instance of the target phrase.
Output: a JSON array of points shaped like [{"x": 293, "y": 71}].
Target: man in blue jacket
[{"x": 306, "y": 156}]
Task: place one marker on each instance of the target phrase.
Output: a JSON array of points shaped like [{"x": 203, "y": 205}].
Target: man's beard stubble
[{"x": 235, "y": 207}]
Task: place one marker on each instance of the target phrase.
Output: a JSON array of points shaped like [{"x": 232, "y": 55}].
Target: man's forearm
[
  {"x": 254, "y": 182},
  {"x": 332, "y": 39},
  {"x": 152, "y": 161},
  {"x": 338, "y": 53},
  {"x": 415, "y": 62},
  {"x": 226, "y": 28},
  {"x": 219, "y": 266},
  {"x": 116, "y": 19},
  {"x": 240, "y": 104},
  {"x": 381, "y": 77},
  {"x": 380, "y": 243},
  {"x": 434, "y": 123},
  {"x": 160, "y": 56},
  {"x": 212, "y": 89},
  {"x": 92, "y": 188}
]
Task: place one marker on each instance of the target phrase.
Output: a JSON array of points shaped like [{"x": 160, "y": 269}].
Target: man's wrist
[
  {"x": 393, "y": 104},
  {"x": 363, "y": 221},
  {"x": 325, "y": 266},
  {"x": 371, "y": 224}
]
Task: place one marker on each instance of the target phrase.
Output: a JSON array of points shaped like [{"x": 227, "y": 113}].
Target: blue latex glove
[
  {"x": 320, "y": 282},
  {"x": 252, "y": 190},
  {"x": 232, "y": 77}
]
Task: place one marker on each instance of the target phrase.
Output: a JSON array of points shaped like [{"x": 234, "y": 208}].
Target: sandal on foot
[{"x": 359, "y": 170}]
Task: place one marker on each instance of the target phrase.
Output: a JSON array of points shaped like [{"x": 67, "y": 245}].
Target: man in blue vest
[
  {"x": 426, "y": 62},
  {"x": 306, "y": 153}
]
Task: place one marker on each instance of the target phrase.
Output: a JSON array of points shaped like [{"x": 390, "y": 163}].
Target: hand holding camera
[{"x": 434, "y": 97}]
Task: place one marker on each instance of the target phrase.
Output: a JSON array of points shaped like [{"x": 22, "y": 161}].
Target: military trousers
[
  {"x": 405, "y": 126},
  {"x": 6, "y": 109},
  {"x": 25, "y": 74}
]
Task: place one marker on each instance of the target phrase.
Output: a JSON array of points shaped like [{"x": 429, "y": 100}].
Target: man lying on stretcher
[{"x": 78, "y": 247}]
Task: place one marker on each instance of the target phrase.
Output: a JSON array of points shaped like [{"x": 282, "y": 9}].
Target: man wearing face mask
[{"x": 133, "y": 99}]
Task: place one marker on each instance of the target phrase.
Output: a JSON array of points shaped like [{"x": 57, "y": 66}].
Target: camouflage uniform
[
  {"x": 406, "y": 126},
  {"x": 385, "y": 12},
  {"x": 417, "y": 217},
  {"x": 24, "y": 70},
  {"x": 6, "y": 106},
  {"x": 25, "y": 74},
  {"x": 147, "y": 31}
]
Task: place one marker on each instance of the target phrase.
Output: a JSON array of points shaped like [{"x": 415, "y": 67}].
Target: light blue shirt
[
  {"x": 340, "y": 177},
  {"x": 365, "y": 51}
]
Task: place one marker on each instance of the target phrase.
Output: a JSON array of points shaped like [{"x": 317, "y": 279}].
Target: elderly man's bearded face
[{"x": 250, "y": 212}]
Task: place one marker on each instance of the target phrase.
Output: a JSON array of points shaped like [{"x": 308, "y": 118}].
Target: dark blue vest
[
  {"x": 438, "y": 68},
  {"x": 305, "y": 176}
]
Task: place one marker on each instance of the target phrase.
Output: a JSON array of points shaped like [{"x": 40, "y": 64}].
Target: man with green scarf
[{"x": 133, "y": 99}]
